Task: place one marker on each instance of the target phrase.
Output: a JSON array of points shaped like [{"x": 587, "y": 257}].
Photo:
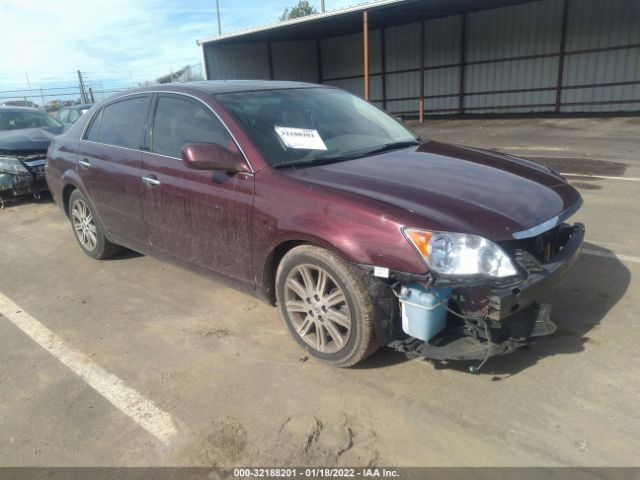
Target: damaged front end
[
  {"x": 449, "y": 317},
  {"x": 22, "y": 173}
]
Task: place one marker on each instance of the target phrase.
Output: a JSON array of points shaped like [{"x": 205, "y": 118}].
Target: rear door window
[
  {"x": 179, "y": 121},
  {"x": 123, "y": 123}
]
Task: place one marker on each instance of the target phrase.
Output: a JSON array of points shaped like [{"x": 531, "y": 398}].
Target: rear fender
[{"x": 71, "y": 178}]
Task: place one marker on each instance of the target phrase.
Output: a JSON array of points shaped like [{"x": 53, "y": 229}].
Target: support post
[
  {"x": 270, "y": 60},
  {"x": 365, "y": 28},
  {"x": 422, "y": 42},
  {"x": 563, "y": 42},
  {"x": 383, "y": 68},
  {"x": 463, "y": 60},
  {"x": 319, "y": 60}
]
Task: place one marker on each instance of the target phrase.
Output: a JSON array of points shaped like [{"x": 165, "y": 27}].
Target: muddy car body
[
  {"x": 25, "y": 134},
  {"x": 315, "y": 200}
]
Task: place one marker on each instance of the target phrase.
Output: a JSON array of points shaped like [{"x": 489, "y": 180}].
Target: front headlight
[
  {"x": 460, "y": 254},
  {"x": 12, "y": 166}
]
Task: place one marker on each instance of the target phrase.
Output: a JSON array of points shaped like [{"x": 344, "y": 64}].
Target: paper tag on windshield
[{"x": 300, "y": 138}]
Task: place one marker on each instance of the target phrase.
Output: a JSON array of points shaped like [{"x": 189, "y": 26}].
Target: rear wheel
[
  {"x": 326, "y": 306},
  {"x": 87, "y": 228}
]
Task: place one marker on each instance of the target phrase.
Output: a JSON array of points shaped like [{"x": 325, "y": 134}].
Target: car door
[
  {"x": 195, "y": 216},
  {"x": 109, "y": 160}
]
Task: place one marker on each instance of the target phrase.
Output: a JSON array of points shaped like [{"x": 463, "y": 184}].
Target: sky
[{"x": 115, "y": 43}]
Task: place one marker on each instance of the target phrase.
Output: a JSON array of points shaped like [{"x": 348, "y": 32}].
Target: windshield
[
  {"x": 309, "y": 125},
  {"x": 17, "y": 119}
]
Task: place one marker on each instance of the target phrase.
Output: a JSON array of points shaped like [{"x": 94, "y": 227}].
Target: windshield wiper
[
  {"x": 349, "y": 156},
  {"x": 316, "y": 161},
  {"x": 390, "y": 146}
]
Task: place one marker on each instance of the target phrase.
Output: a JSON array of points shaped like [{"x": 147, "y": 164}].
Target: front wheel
[
  {"x": 87, "y": 228},
  {"x": 326, "y": 306}
]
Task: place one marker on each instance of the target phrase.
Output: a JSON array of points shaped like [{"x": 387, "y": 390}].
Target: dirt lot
[{"x": 236, "y": 390}]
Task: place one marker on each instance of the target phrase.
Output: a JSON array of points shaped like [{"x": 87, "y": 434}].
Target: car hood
[
  {"x": 453, "y": 188},
  {"x": 27, "y": 139}
]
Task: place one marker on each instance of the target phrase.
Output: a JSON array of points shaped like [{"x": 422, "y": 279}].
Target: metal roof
[{"x": 382, "y": 13}]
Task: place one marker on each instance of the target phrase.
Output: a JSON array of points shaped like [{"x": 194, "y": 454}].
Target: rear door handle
[
  {"x": 84, "y": 163},
  {"x": 150, "y": 181}
]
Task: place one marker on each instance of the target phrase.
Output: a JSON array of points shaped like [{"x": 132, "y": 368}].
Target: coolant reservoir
[{"x": 423, "y": 310}]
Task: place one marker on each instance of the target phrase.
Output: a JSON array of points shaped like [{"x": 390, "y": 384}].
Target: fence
[{"x": 85, "y": 89}]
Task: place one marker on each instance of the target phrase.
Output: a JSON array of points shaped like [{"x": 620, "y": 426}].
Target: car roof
[
  {"x": 8, "y": 108},
  {"x": 227, "y": 86},
  {"x": 80, "y": 105}
]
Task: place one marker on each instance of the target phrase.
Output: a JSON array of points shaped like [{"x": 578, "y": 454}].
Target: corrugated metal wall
[
  {"x": 598, "y": 25},
  {"x": 504, "y": 60},
  {"x": 343, "y": 63},
  {"x": 529, "y": 30},
  {"x": 295, "y": 61},
  {"x": 237, "y": 61}
]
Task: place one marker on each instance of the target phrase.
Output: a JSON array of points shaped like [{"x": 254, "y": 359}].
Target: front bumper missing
[
  {"x": 508, "y": 300},
  {"x": 457, "y": 342},
  {"x": 513, "y": 318}
]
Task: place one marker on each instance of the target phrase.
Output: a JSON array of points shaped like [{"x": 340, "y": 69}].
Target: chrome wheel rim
[
  {"x": 317, "y": 308},
  {"x": 84, "y": 225}
]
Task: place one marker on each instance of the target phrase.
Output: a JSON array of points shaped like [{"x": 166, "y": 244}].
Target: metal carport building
[{"x": 452, "y": 56}]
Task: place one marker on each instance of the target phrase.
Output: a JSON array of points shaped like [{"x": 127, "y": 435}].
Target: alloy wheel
[
  {"x": 84, "y": 225},
  {"x": 318, "y": 308}
]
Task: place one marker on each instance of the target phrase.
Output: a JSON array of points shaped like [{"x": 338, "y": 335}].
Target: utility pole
[
  {"x": 131, "y": 77},
  {"x": 365, "y": 28},
  {"x": 218, "y": 10},
  {"x": 29, "y": 85},
  {"x": 83, "y": 95},
  {"x": 321, "y": 6}
]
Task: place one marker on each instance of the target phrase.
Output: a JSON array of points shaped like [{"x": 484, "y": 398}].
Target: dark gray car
[
  {"x": 25, "y": 135},
  {"x": 70, "y": 115}
]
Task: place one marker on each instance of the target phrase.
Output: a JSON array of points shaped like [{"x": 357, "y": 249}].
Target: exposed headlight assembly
[
  {"x": 12, "y": 166},
  {"x": 460, "y": 254}
]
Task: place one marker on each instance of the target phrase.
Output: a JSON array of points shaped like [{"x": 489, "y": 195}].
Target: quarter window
[
  {"x": 181, "y": 121},
  {"x": 123, "y": 122},
  {"x": 93, "y": 135}
]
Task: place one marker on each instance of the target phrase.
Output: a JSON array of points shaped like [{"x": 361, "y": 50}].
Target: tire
[
  {"x": 88, "y": 230},
  {"x": 330, "y": 314}
]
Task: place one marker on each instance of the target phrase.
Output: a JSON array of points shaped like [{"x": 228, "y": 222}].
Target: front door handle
[
  {"x": 84, "y": 163},
  {"x": 150, "y": 181}
]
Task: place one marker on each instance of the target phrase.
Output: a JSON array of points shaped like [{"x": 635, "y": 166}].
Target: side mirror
[
  {"x": 400, "y": 120},
  {"x": 211, "y": 156}
]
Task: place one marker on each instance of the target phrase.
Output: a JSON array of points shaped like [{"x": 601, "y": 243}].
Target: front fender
[{"x": 358, "y": 230}]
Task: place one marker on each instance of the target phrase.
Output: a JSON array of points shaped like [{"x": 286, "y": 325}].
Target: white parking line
[
  {"x": 596, "y": 253},
  {"x": 628, "y": 179},
  {"x": 142, "y": 411}
]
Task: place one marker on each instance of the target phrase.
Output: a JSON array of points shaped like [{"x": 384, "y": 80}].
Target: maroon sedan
[{"x": 363, "y": 234}]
